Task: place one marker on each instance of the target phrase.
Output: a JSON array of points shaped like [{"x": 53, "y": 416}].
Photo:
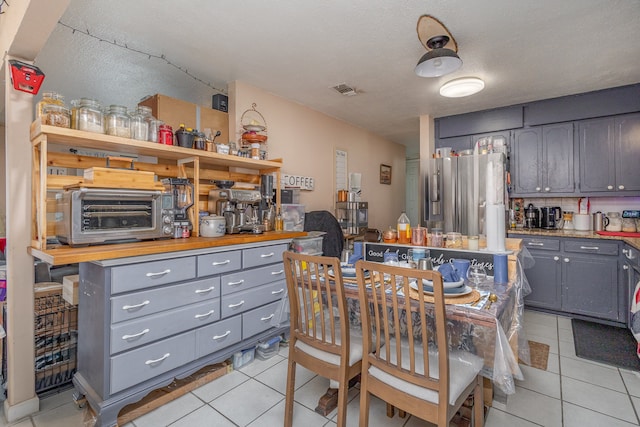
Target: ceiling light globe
[{"x": 461, "y": 87}]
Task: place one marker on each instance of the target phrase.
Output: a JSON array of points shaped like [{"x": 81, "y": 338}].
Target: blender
[{"x": 181, "y": 191}]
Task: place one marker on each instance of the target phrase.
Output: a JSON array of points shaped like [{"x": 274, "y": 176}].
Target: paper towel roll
[{"x": 496, "y": 232}]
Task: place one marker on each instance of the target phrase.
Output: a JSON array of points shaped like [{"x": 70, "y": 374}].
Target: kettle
[
  {"x": 598, "y": 221},
  {"x": 532, "y": 216}
]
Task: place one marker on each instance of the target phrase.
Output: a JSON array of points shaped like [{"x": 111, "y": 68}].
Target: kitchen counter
[
  {"x": 67, "y": 255},
  {"x": 633, "y": 241}
]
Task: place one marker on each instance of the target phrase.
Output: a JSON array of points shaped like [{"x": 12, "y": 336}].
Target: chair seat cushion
[
  {"x": 355, "y": 350},
  {"x": 463, "y": 369}
]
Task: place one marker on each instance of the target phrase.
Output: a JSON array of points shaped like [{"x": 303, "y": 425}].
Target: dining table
[{"x": 487, "y": 322}]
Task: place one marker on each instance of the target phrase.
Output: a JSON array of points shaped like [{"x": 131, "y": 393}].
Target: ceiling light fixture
[
  {"x": 439, "y": 60},
  {"x": 464, "y": 86}
]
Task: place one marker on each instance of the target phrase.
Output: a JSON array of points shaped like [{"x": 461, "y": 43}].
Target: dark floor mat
[{"x": 606, "y": 344}]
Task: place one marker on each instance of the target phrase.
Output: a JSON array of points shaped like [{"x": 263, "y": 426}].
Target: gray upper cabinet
[
  {"x": 609, "y": 155},
  {"x": 457, "y": 143},
  {"x": 543, "y": 160},
  {"x": 597, "y": 165},
  {"x": 627, "y": 152}
]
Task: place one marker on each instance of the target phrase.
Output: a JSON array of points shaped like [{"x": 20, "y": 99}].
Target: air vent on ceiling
[{"x": 345, "y": 90}]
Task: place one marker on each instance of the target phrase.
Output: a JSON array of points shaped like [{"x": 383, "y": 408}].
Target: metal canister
[
  {"x": 425, "y": 264},
  {"x": 165, "y": 135},
  {"x": 598, "y": 221}
]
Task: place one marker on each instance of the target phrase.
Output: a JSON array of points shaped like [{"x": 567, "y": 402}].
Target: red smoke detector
[{"x": 26, "y": 77}]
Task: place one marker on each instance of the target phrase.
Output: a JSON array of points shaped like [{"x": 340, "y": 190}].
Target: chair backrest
[
  {"x": 333, "y": 241},
  {"x": 317, "y": 302},
  {"x": 384, "y": 313}
]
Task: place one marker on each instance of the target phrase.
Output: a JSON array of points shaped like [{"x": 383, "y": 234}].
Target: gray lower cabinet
[
  {"x": 575, "y": 276},
  {"x": 143, "y": 321}
]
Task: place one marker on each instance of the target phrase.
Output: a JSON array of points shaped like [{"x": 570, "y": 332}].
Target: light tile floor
[{"x": 572, "y": 392}]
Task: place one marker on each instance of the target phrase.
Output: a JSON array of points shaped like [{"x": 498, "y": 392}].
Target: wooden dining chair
[
  {"x": 320, "y": 339},
  {"x": 416, "y": 373}
]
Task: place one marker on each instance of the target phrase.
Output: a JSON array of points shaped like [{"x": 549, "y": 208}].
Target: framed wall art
[{"x": 385, "y": 174}]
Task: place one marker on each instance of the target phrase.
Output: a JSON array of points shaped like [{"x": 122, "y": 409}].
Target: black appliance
[
  {"x": 547, "y": 217},
  {"x": 531, "y": 216}
]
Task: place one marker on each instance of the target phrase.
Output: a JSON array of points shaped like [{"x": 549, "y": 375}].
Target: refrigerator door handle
[{"x": 434, "y": 193}]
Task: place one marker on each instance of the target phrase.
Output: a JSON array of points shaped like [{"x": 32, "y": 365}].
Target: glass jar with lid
[
  {"x": 49, "y": 98},
  {"x": 154, "y": 130},
  {"x": 140, "y": 122},
  {"x": 55, "y": 115},
  {"x": 90, "y": 116},
  {"x": 118, "y": 122}
]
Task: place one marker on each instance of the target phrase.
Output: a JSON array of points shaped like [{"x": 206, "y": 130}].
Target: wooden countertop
[
  {"x": 67, "y": 255},
  {"x": 635, "y": 242}
]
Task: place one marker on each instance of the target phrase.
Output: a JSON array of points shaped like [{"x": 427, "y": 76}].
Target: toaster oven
[{"x": 97, "y": 215}]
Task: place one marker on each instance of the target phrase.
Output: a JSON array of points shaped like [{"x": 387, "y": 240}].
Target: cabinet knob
[
  {"x": 620, "y": 187},
  {"x": 566, "y": 260},
  {"x": 547, "y": 189},
  {"x": 538, "y": 188},
  {"x": 625, "y": 267},
  {"x": 609, "y": 187},
  {"x": 556, "y": 258},
  {"x": 625, "y": 251}
]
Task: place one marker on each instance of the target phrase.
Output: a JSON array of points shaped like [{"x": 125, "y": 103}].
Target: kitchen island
[{"x": 155, "y": 311}]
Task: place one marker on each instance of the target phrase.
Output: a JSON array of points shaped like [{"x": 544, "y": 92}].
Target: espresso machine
[
  {"x": 177, "y": 206},
  {"x": 240, "y": 209}
]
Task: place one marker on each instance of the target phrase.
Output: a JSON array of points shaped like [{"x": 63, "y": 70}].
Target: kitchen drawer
[
  {"x": 263, "y": 255},
  {"x": 258, "y": 320},
  {"x": 592, "y": 246},
  {"x": 240, "y": 302},
  {"x": 143, "y": 303},
  {"x": 219, "y": 335},
  {"x": 242, "y": 280},
  {"x": 541, "y": 244},
  {"x": 154, "y": 273},
  {"x": 141, "y": 364},
  {"x": 134, "y": 333},
  {"x": 220, "y": 262}
]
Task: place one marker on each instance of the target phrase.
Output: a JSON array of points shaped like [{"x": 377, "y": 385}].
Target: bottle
[
  {"x": 404, "y": 229},
  {"x": 279, "y": 222}
]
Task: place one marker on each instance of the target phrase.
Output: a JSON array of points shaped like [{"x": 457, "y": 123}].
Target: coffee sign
[{"x": 297, "y": 181}]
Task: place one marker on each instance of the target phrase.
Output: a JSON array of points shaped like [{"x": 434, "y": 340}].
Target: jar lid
[
  {"x": 55, "y": 108},
  {"x": 88, "y": 102},
  {"x": 166, "y": 127}
]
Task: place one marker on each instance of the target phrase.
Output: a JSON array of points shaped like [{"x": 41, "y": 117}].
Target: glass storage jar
[
  {"x": 90, "y": 117},
  {"x": 49, "y": 98},
  {"x": 75, "y": 104},
  {"x": 55, "y": 115},
  {"x": 118, "y": 122},
  {"x": 628, "y": 225},
  {"x": 154, "y": 130},
  {"x": 140, "y": 121}
]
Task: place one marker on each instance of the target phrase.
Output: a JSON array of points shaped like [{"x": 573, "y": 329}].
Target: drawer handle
[
  {"x": 217, "y": 337},
  {"x": 198, "y": 316},
  {"x": 275, "y": 273},
  {"x": 128, "y": 337},
  {"x": 221, "y": 262},
  {"x": 239, "y": 282},
  {"x": 161, "y": 273},
  {"x": 151, "y": 362},
  {"x": 535, "y": 244},
  {"x": 277, "y": 292},
  {"x": 236, "y": 305},
  {"x": 592, "y": 248},
  {"x": 269, "y": 317},
  {"x": 131, "y": 307},
  {"x": 202, "y": 291},
  {"x": 269, "y": 255}
]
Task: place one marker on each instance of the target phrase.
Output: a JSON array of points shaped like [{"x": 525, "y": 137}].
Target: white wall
[{"x": 306, "y": 141}]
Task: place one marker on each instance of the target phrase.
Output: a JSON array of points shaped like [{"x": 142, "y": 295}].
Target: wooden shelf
[
  {"x": 95, "y": 141},
  {"x": 173, "y": 161}
]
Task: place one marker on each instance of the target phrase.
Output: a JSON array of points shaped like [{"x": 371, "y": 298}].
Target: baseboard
[{"x": 20, "y": 410}]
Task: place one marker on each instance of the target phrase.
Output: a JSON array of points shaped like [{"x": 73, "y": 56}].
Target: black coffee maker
[
  {"x": 547, "y": 217},
  {"x": 531, "y": 217}
]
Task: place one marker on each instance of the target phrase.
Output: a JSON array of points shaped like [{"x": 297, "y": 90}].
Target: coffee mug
[
  {"x": 461, "y": 266},
  {"x": 582, "y": 222}
]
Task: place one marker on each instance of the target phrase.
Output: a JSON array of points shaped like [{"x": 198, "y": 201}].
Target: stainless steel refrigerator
[{"x": 456, "y": 188}]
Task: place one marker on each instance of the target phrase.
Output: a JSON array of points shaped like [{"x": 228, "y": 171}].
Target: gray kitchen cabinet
[
  {"x": 609, "y": 155},
  {"x": 147, "y": 320},
  {"x": 627, "y": 152},
  {"x": 575, "y": 276},
  {"x": 543, "y": 161},
  {"x": 457, "y": 143}
]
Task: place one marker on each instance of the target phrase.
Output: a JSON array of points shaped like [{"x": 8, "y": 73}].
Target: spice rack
[{"x": 51, "y": 146}]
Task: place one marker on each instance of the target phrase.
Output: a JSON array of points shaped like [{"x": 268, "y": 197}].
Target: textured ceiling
[{"x": 298, "y": 49}]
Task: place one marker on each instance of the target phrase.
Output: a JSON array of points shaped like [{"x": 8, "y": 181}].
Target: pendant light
[{"x": 439, "y": 60}]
